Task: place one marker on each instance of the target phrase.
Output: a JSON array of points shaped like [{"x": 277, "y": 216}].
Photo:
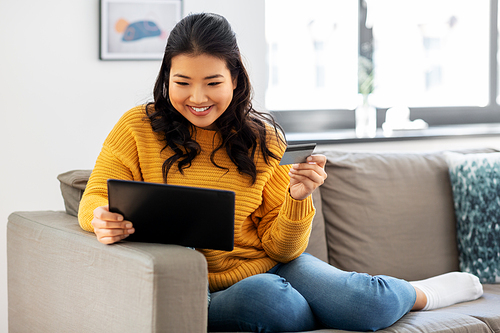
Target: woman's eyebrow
[
  {"x": 216, "y": 76},
  {"x": 181, "y": 76},
  {"x": 210, "y": 77}
]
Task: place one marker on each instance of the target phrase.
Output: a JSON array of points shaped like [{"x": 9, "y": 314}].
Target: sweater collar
[{"x": 205, "y": 136}]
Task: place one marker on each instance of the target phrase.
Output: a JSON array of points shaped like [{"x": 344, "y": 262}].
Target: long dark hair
[{"x": 242, "y": 128}]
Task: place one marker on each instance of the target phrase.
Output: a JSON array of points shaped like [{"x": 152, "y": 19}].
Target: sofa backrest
[
  {"x": 378, "y": 212},
  {"x": 317, "y": 241},
  {"x": 73, "y": 185},
  {"x": 390, "y": 213}
]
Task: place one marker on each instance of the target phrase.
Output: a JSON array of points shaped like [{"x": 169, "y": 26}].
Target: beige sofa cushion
[
  {"x": 61, "y": 279},
  {"x": 73, "y": 184},
  {"x": 389, "y": 213},
  {"x": 317, "y": 241}
]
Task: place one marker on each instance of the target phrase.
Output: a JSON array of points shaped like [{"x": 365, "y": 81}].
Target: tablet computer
[{"x": 170, "y": 214}]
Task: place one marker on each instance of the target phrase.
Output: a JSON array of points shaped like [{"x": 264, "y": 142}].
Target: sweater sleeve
[
  {"x": 117, "y": 160},
  {"x": 284, "y": 224}
]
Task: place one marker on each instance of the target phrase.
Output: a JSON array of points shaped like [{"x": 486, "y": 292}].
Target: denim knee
[
  {"x": 380, "y": 302},
  {"x": 260, "y": 303},
  {"x": 348, "y": 300}
]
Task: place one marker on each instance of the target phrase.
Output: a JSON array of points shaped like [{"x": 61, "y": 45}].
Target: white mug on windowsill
[{"x": 398, "y": 119}]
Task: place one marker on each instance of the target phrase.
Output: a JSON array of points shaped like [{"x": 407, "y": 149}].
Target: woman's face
[{"x": 200, "y": 88}]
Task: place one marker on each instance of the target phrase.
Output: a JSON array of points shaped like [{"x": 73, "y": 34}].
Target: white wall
[{"x": 59, "y": 101}]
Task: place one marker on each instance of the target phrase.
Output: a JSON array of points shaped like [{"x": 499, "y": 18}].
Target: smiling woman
[{"x": 201, "y": 88}]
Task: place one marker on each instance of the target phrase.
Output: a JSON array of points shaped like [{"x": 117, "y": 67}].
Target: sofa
[{"x": 391, "y": 213}]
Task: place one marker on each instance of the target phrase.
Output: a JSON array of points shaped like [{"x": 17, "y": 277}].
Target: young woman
[{"x": 202, "y": 131}]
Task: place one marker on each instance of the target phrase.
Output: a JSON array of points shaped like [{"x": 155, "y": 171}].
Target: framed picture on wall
[{"x": 136, "y": 29}]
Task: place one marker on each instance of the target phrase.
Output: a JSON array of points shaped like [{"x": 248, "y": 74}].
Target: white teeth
[{"x": 200, "y": 109}]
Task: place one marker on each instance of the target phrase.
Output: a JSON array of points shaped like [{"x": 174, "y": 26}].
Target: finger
[
  {"x": 305, "y": 181},
  {"x": 108, "y": 236},
  {"x": 111, "y": 240},
  {"x": 310, "y": 164},
  {"x": 302, "y": 180},
  {"x": 308, "y": 169},
  {"x": 100, "y": 224},
  {"x": 113, "y": 232},
  {"x": 318, "y": 159},
  {"x": 315, "y": 176},
  {"x": 103, "y": 213}
]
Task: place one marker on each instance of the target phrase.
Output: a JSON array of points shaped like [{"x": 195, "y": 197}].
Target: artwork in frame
[{"x": 136, "y": 29}]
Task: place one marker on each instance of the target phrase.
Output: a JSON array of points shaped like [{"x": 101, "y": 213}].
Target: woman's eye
[
  {"x": 182, "y": 83},
  {"x": 214, "y": 83}
]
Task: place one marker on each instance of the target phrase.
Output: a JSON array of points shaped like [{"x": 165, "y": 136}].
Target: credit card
[{"x": 297, "y": 153}]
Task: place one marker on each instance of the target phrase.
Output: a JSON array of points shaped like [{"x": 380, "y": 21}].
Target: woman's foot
[{"x": 447, "y": 289}]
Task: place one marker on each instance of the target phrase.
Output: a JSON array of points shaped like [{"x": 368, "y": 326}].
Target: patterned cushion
[{"x": 475, "y": 180}]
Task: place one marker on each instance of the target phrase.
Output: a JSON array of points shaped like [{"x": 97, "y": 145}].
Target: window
[
  {"x": 438, "y": 57},
  {"x": 312, "y": 54},
  {"x": 432, "y": 53}
]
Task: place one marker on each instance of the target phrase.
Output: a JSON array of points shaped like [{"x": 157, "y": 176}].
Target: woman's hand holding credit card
[{"x": 307, "y": 172}]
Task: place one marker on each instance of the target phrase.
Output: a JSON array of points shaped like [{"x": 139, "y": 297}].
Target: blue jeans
[{"x": 307, "y": 294}]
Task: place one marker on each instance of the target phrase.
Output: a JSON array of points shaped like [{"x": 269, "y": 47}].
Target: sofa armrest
[{"x": 61, "y": 279}]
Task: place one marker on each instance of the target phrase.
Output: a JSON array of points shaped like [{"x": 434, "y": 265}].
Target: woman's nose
[{"x": 198, "y": 95}]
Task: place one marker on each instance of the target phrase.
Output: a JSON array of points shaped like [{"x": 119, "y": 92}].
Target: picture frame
[{"x": 136, "y": 29}]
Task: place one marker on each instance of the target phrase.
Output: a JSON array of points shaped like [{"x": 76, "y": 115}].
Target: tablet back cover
[{"x": 169, "y": 214}]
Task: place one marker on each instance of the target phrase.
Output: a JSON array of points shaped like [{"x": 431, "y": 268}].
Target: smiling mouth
[{"x": 200, "y": 109}]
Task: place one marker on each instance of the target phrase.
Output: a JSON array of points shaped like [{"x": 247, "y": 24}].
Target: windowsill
[{"x": 342, "y": 136}]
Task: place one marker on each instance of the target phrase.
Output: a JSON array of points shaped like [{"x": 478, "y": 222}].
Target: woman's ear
[{"x": 235, "y": 83}]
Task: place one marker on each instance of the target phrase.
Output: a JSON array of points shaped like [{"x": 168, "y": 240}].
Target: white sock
[{"x": 450, "y": 288}]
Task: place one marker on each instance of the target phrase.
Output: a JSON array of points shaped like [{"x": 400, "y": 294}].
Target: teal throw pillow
[{"x": 475, "y": 180}]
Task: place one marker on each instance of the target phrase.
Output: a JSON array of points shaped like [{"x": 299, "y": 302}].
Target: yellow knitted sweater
[{"x": 270, "y": 226}]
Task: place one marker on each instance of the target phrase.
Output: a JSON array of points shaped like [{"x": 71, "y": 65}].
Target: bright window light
[
  {"x": 313, "y": 47},
  {"x": 426, "y": 53},
  {"x": 430, "y": 52}
]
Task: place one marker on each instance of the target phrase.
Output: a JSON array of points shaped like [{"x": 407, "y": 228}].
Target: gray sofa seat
[{"x": 485, "y": 309}]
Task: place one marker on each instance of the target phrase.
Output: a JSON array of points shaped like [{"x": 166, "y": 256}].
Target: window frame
[{"x": 315, "y": 121}]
